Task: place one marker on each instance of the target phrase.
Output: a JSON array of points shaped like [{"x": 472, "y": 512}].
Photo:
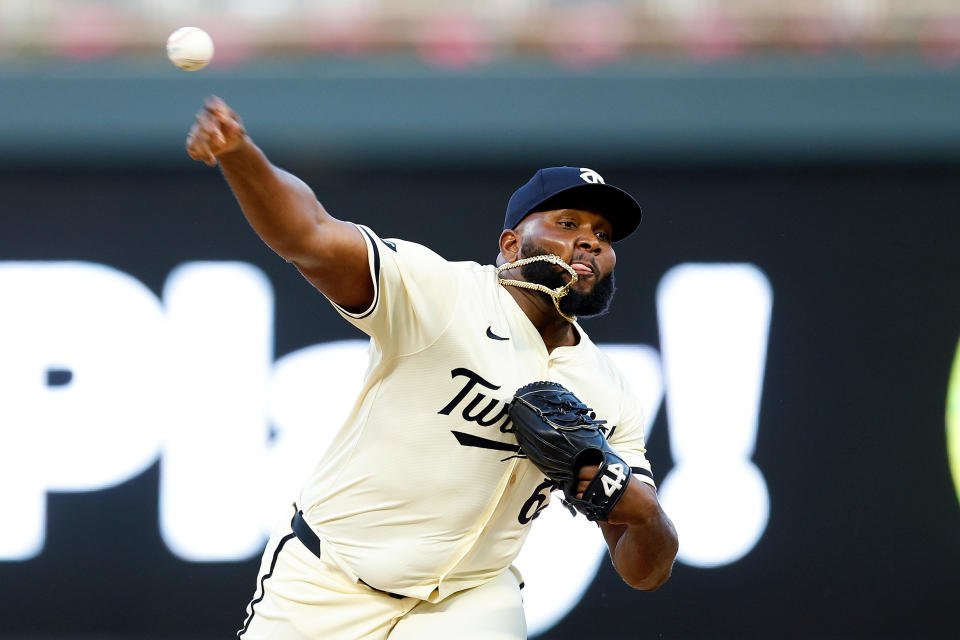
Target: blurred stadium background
[{"x": 812, "y": 148}]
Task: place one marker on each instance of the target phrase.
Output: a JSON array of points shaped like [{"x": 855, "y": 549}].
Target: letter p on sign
[{"x": 80, "y": 343}]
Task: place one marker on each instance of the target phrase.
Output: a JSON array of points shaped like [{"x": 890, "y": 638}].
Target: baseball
[{"x": 190, "y": 48}]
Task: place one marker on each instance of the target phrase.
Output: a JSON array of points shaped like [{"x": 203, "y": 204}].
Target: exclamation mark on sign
[{"x": 714, "y": 320}]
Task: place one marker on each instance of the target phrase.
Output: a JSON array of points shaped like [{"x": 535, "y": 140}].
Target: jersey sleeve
[
  {"x": 627, "y": 439},
  {"x": 414, "y": 294}
]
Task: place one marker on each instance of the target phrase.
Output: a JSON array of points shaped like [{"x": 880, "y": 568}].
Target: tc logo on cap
[{"x": 591, "y": 176}]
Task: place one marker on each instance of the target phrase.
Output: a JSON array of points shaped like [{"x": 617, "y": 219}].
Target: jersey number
[
  {"x": 613, "y": 482},
  {"x": 535, "y": 503}
]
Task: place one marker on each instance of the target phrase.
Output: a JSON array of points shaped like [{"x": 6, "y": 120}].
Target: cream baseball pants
[{"x": 302, "y": 596}]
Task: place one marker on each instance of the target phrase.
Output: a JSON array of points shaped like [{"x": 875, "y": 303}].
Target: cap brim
[{"x": 616, "y": 205}]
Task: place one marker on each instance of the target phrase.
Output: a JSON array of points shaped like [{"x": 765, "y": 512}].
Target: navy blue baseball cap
[{"x": 573, "y": 188}]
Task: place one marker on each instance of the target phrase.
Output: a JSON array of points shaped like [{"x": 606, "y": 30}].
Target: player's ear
[{"x": 509, "y": 245}]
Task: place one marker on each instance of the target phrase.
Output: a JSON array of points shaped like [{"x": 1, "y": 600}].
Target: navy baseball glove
[{"x": 560, "y": 434}]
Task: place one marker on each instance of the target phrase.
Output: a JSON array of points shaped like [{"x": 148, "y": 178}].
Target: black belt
[{"x": 312, "y": 542}]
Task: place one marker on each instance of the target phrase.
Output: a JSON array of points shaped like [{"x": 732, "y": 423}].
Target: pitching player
[{"x": 408, "y": 526}]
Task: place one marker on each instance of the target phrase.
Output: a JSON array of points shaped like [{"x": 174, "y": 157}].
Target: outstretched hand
[{"x": 218, "y": 130}]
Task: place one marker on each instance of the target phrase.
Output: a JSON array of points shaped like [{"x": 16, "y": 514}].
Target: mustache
[{"x": 529, "y": 250}]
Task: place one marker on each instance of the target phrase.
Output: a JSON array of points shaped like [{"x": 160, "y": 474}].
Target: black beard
[{"x": 583, "y": 305}]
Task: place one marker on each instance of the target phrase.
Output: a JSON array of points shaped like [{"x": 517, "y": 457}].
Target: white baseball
[{"x": 190, "y": 48}]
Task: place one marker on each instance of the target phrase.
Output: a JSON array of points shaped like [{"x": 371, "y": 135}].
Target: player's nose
[{"x": 589, "y": 242}]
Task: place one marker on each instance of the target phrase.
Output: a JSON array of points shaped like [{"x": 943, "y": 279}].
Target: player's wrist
[
  {"x": 243, "y": 146},
  {"x": 637, "y": 507}
]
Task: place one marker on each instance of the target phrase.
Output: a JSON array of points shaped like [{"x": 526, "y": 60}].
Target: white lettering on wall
[
  {"x": 220, "y": 335},
  {"x": 714, "y": 320},
  {"x": 100, "y": 332}
]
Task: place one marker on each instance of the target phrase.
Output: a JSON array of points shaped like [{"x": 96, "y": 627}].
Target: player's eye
[
  {"x": 569, "y": 224},
  {"x": 603, "y": 235}
]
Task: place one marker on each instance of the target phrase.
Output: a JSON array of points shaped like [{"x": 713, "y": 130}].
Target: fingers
[
  {"x": 199, "y": 145},
  {"x": 586, "y": 473},
  {"x": 217, "y": 129},
  {"x": 227, "y": 118},
  {"x": 212, "y": 129},
  {"x": 215, "y": 105},
  {"x": 584, "y": 477},
  {"x": 196, "y": 147},
  {"x": 206, "y": 139}
]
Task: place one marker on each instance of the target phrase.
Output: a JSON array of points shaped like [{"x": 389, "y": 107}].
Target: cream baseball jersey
[{"x": 421, "y": 492}]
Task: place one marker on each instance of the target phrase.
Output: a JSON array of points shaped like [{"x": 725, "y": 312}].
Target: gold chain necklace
[{"x": 555, "y": 294}]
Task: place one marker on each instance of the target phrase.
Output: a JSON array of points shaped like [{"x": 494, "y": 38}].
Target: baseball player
[{"x": 408, "y": 525}]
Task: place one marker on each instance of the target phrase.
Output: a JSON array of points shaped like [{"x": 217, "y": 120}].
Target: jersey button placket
[{"x": 548, "y": 368}]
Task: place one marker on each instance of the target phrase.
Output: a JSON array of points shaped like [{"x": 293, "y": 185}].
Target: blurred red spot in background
[
  {"x": 234, "y": 40},
  {"x": 454, "y": 41},
  {"x": 87, "y": 31},
  {"x": 941, "y": 43},
  {"x": 350, "y": 34},
  {"x": 590, "y": 35},
  {"x": 714, "y": 36}
]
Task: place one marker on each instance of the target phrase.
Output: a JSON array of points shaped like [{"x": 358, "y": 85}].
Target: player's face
[{"x": 582, "y": 240}]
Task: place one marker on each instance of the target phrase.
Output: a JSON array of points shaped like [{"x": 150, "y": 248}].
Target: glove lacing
[{"x": 574, "y": 416}]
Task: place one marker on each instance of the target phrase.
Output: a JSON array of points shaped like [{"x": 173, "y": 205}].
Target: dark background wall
[
  {"x": 859, "y": 244},
  {"x": 864, "y": 521}
]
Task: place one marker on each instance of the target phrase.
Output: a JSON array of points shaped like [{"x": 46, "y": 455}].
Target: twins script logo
[{"x": 485, "y": 415}]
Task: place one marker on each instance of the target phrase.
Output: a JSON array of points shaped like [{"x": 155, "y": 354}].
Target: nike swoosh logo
[
  {"x": 470, "y": 440},
  {"x": 493, "y": 336}
]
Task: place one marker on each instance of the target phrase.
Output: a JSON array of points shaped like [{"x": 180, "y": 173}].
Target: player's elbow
[
  {"x": 653, "y": 581},
  {"x": 650, "y": 581},
  {"x": 653, "y": 571}
]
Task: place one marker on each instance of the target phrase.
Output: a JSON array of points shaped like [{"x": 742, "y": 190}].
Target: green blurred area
[
  {"x": 953, "y": 421},
  {"x": 641, "y": 111}
]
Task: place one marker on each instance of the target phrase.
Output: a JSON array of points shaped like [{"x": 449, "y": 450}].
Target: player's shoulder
[
  {"x": 399, "y": 246},
  {"x": 404, "y": 250},
  {"x": 473, "y": 268},
  {"x": 465, "y": 272},
  {"x": 394, "y": 245},
  {"x": 412, "y": 249},
  {"x": 482, "y": 275},
  {"x": 408, "y": 255}
]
